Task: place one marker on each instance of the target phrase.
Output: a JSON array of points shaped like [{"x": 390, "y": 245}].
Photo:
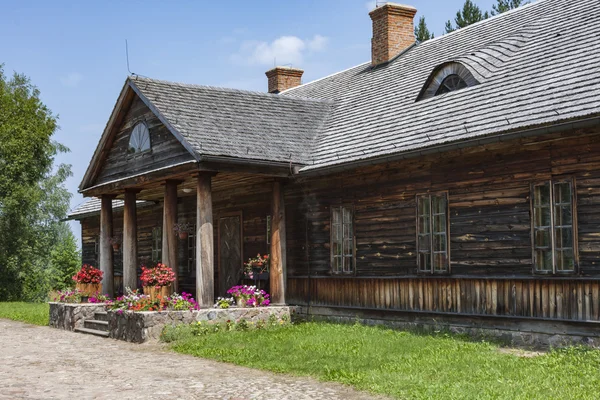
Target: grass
[
  {"x": 401, "y": 364},
  {"x": 32, "y": 313}
]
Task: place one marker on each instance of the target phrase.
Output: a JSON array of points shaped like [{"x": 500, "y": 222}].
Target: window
[
  {"x": 342, "y": 240},
  {"x": 450, "y": 84},
  {"x": 139, "y": 141},
  {"x": 156, "y": 245},
  {"x": 432, "y": 233},
  {"x": 553, "y": 239},
  {"x": 191, "y": 249}
]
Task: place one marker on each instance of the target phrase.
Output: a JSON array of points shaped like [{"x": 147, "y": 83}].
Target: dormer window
[
  {"x": 447, "y": 78},
  {"x": 139, "y": 141}
]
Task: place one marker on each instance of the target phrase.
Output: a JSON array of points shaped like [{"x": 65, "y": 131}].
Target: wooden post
[
  {"x": 278, "y": 246},
  {"x": 130, "y": 241},
  {"x": 205, "y": 275},
  {"x": 169, "y": 237},
  {"x": 106, "y": 250}
]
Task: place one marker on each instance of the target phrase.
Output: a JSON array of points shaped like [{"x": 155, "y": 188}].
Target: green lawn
[
  {"x": 33, "y": 313},
  {"x": 404, "y": 365}
]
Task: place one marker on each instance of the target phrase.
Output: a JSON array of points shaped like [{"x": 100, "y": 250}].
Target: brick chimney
[
  {"x": 393, "y": 31},
  {"x": 282, "y": 78}
]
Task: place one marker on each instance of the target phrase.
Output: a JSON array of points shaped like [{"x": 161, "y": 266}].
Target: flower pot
[
  {"x": 241, "y": 302},
  {"x": 155, "y": 291},
  {"x": 183, "y": 235},
  {"x": 116, "y": 246},
  {"x": 89, "y": 289}
]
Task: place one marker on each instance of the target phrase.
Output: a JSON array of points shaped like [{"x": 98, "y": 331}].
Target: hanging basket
[
  {"x": 116, "y": 246},
  {"x": 155, "y": 291},
  {"x": 89, "y": 289},
  {"x": 183, "y": 235}
]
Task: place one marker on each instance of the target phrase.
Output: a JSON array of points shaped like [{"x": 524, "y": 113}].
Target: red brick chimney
[
  {"x": 282, "y": 78},
  {"x": 393, "y": 31}
]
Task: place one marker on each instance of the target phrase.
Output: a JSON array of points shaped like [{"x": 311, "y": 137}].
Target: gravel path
[{"x": 45, "y": 363}]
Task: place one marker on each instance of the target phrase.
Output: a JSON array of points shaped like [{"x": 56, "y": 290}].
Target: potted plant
[
  {"x": 115, "y": 242},
  {"x": 182, "y": 229},
  {"x": 157, "y": 281},
  {"x": 249, "y": 296},
  {"x": 257, "y": 268},
  {"x": 88, "y": 280}
]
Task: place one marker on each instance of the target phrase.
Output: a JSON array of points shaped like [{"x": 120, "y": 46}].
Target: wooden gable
[{"x": 166, "y": 150}]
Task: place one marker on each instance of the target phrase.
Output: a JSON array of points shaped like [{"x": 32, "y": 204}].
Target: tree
[
  {"x": 422, "y": 33},
  {"x": 469, "y": 14},
  {"x": 506, "y": 5},
  {"x": 33, "y": 198}
]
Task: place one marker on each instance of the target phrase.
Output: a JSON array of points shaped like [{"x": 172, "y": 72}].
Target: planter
[
  {"x": 89, "y": 289},
  {"x": 155, "y": 291},
  {"x": 183, "y": 235},
  {"x": 241, "y": 303}
]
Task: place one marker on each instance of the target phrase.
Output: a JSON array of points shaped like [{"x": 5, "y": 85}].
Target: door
[{"x": 230, "y": 252}]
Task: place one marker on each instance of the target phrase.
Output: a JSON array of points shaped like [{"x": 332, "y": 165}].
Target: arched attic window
[
  {"x": 447, "y": 78},
  {"x": 139, "y": 141}
]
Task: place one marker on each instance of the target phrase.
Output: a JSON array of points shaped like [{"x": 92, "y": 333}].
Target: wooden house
[{"x": 456, "y": 179}]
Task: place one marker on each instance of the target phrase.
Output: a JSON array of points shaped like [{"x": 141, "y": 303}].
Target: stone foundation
[
  {"x": 69, "y": 316},
  {"x": 143, "y": 326}
]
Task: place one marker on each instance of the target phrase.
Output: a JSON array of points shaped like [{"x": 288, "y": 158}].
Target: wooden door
[{"x": 230, "y": 252}]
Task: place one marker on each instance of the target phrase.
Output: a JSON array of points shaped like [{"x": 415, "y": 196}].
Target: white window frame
[
  {"x": 345, "y": 238},
  {"x": 426, "y": 253}
]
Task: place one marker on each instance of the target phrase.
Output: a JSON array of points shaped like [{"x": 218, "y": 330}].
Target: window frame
[
  {"x": 574, "y": 229},
  {"x": 135, "y": 154},
  {"x": 341, "y": 207},
  {"x": 432, "y": 270}
]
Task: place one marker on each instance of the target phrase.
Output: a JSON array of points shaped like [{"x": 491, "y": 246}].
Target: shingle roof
[
  {"x": 236, "y": 123},
  {"x": 91, "y": 207},
  {"x": 537, "y": 65}
]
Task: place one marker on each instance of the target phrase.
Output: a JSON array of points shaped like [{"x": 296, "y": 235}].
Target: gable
[{"x": 166, "y": 150}]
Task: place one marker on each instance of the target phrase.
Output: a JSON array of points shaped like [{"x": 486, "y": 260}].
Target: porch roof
[{"x": 91, "y": 207}]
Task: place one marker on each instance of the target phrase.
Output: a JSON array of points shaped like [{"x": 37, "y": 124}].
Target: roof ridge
[{"x": 140, "y": 78}]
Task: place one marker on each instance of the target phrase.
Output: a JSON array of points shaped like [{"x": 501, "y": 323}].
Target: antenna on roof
[{"x": 127, "y": 56}]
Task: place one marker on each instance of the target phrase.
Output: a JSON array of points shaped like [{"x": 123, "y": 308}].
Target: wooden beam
[
  {"x": 106, "y": 250},
  {"x": 205, "y": 276},
  {"x": 169, "y": 237},
  {"x": 130, "y": 241},
  {"x": 278, "y": 246}
]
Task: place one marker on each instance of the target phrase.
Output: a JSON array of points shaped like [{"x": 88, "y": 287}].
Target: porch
[{"x": 231, "y": 215}]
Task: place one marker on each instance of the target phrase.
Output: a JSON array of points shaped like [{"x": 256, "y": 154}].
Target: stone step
[
  {"x": 101, "y": 316},
  {"x": 92, "y": 332},
  {"x": 95, "y": 324}
]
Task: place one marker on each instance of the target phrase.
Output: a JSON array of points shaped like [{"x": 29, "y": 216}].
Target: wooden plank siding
[{"x": 165, "y": 150}]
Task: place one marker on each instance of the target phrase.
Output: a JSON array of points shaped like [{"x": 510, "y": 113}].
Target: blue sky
[{"x": 75, "y": 51}]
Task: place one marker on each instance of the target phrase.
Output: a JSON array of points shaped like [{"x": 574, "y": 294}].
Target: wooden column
[
  {"x": 205, "y": 275},
  {"x": 130, "y": 241},
  {"x": 105, "y": 249},
  {"x": 169, "y": 237},
  {"x": 278, "y": 246}
]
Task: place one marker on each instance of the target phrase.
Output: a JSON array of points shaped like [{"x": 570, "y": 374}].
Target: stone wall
[{"x": 70, "y": 316}]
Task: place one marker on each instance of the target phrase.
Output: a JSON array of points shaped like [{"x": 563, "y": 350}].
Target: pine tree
[
  {"x": 506, "y": 5},
  {"x": 469, "y": 14},
  {"x": 422, "y": 33}
]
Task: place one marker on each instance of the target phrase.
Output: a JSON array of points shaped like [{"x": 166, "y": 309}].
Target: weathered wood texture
[
  {"x": 130, "y": 241},
  {"x": 278, "y": 246},
  {"x": 105, "y": 248},
  {"x": 169, "y": 236},
  {"x": 166, "y": 149},
  {"x": 205, "y": 275},
  {"x": 535, "y": 298}
]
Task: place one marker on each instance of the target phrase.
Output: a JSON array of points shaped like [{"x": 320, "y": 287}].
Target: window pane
[
  {"x": 543, "y": 260},
  {"x": 438, "y": 204},
  {"x": 542, "y": 216},
  {"x": 424, "y": 224},
  {"x": 423, "y": 206},
  {"x": 424, "y": 244},
  {"x": 439, "y": 223},
  {"x": 562, "y": 192},
  {"x": 439, "y": 243},
  {"x": 347, "y": 264},
  {"x": 424, "y": 262},
  {"x": 563, "y": 215},
  {"x": 348, "y": 247},
  {"x": 337, "y": 264},
  {"x": 542, "y": 238},
  {"x": 347, "y": 215},
  {"x": 439, "y": 260},
  {"x": 336, "y": 215},
  {"x": 565, "y": 260},
  {"x": 542, "y": 195}
]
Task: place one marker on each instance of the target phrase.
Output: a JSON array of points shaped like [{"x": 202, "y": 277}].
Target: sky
[{"x": 74, "y": 51}]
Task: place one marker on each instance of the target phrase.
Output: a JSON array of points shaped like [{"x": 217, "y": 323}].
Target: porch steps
[
  {"x": 97, "y": 326},
  {"x": 92, "y": 332}
]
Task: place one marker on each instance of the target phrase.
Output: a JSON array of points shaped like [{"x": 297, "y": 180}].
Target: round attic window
[{"x": 139, "y": 141}]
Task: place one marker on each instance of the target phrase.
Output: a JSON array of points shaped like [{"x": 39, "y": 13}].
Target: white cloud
[
  {"x": 71, "y": 80},
  {"x": 283, "y": 50},
  {"x": 371, "y": 5}
]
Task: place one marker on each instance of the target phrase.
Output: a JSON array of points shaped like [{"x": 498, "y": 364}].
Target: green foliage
[
  {"x": 64, "y": 260},
  {"x": 401, "y": 364},
  {"x": 33, "y": 198},
  {"x": 506, "y": 5},
  {"x": 422, "y": 33},
  {"x": 32, "y": 313},
  {"x": 469, "y": 14}
]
